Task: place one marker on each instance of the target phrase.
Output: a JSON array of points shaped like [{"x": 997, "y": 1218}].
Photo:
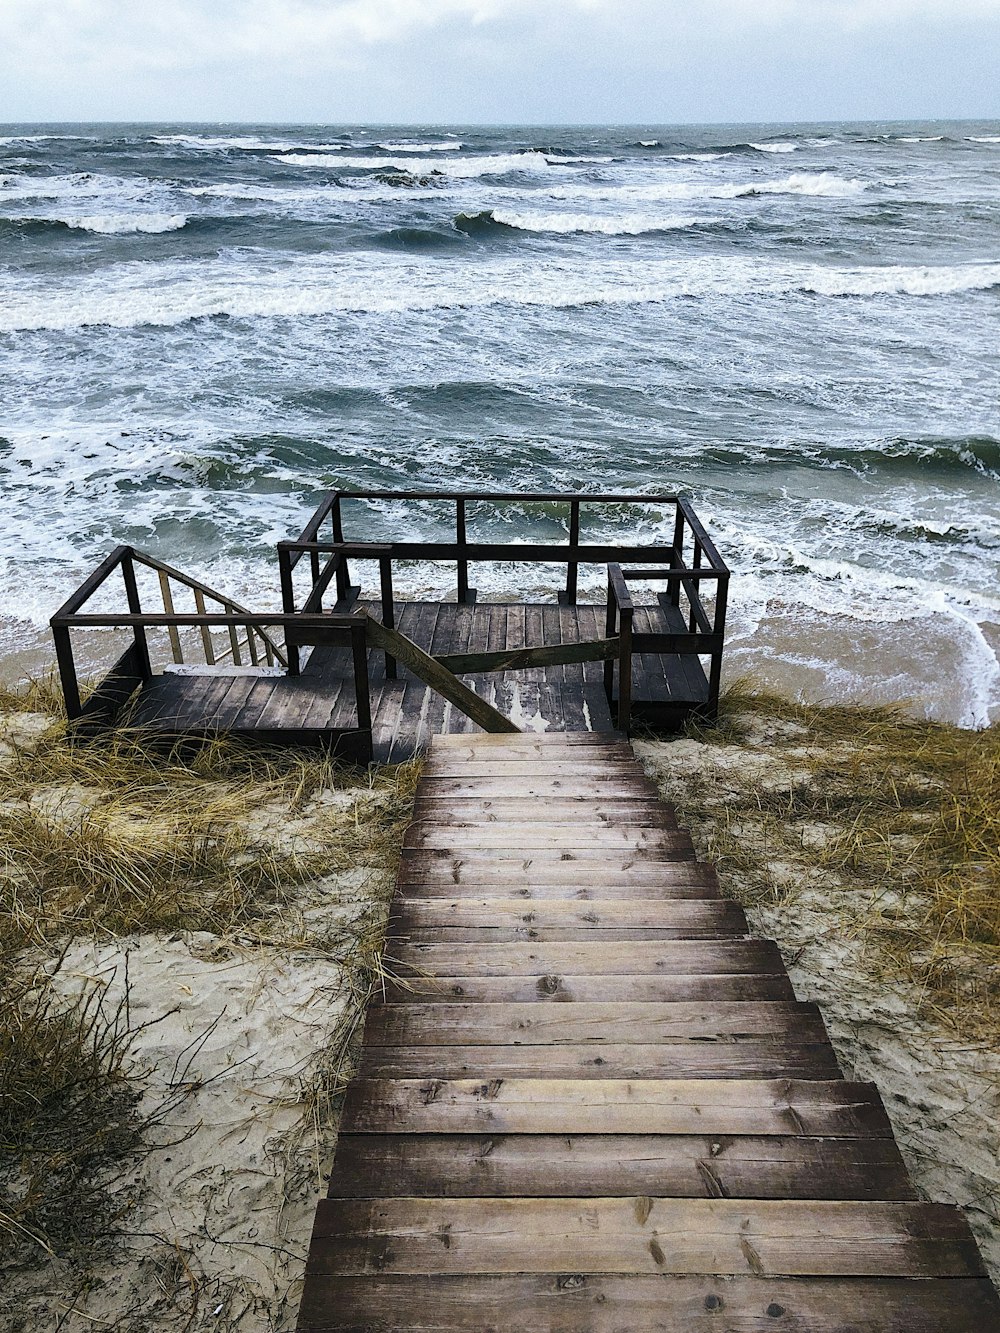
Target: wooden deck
[
  {"x": 591, "y": 1103},
  {"x": 311, "y": 708}
]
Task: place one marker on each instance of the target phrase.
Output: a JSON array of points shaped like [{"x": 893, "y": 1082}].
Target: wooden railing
[
  {"x": 243, "y": 638},
  {"x": 690, "y": 567}
]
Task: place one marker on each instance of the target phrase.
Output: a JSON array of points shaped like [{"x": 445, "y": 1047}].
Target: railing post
[
  {"x": 611, "y": 627},
  {"x": 67, "y": 671},
  {"x": 343, "y": 573},
  {"x": 388, "y": 609},
  {"x": 139, "y": 631},
  {"x": 625, "y": 670},
  {"x": 359, "y": 650},
  {"x": 287, "y": 606},
  {"x": 573, "y": 567},
  {"x": 674, "y": 587},
  {"x": 719, "y": 628},
  {"x": 695, "y": 584},
  {"x": 461, "y": 539}
]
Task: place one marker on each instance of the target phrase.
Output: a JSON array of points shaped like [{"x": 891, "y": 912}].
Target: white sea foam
[
  {"x": 175, "y": 292},
  {"x": 452, "y": 146},
  {"x": 984, "y": 138},
  {"x": 698, "y": 157},
  {"x": 121, "y": 224},
  {"x": 568, "y": 223},
  {"x": 649, "y": 143},
  {"x": 904, "y": 280},
  {"x": 927, "y": 138},
  {"x": 491, "y": 164},
  {"x": 775, "y": 147},
  {"x": 822, "y": 184}
]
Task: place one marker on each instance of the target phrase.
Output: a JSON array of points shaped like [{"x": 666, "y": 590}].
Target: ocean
[{"x": 202, "y": 327}]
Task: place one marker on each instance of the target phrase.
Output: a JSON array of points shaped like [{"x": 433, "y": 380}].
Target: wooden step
[
  {"x": 424, "y": 876},
  {"x": 643, "y": 811},
  {"x": 677, "y": 886},
  {"x": 675, "y": 846},
  {"x": 412, "y": 914},
  {"x": 590, "y": 958},
  {"x": 503, "y": 766},
  {"x": 540, "y": 739},
  {"x": 745, "y": 1058},
  {"x": 616, "y": 1022},
  {"x": 616, "y": 1106},
  {"x": 580, "y": 1302},
  {"x": 552, "y": 988},
  {"x": 602, "y": 785},
  {"x": 679, "y": 1166},
  {"x": 505, "y": 836},
  {"x": 718, "y": 1237}
]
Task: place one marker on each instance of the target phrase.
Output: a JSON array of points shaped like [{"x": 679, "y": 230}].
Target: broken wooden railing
[{"x": 694, "y": 577}]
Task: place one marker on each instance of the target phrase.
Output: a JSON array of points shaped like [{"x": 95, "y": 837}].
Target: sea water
[{"x": 202, "y": 327}]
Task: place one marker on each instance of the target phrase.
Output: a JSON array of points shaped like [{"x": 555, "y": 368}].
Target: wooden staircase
[{"x": 592, "y": 1103}]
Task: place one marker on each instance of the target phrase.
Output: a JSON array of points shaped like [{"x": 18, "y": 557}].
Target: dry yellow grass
[
  {"x": 903, "y": 813},
  {"x": 111, "y": 838}
]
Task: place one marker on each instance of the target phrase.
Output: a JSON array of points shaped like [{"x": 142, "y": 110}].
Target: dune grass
[
  {"x": 903, "y": 813},
  {"x": 112, "y": 838}
]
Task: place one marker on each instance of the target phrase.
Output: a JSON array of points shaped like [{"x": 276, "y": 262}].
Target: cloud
[
  {"x": 189, "y": 33},
  {"x": 496, "y": 59}
]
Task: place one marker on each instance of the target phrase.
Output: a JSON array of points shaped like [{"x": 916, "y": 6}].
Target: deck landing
[
  {"x": 406, "y": 713},
  {"x": 592, "y": 1103}
]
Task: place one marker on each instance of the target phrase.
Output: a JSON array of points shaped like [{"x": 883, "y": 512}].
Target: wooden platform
[
  {"x": 591, "y": 1103},
  {"x": 405, "y": 712}
]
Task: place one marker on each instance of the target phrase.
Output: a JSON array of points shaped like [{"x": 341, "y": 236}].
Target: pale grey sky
[{"x": 480, "y": 61}]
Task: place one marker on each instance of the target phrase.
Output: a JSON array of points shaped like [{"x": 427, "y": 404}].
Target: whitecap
[
  {"x": 984, "y": 138},
  {"x": 452, "y": 147},
  {"x": 698, "y": 157},
  {"x": 568, "y": 223},
  {"x": 121, "y": 224},
  {"x": 775, "y": 147},
  {"x": 370, "y": 283},
  {"x": 496, "y": 164}
]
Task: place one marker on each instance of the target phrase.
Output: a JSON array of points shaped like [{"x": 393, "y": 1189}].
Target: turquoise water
[{"x": 202, "y": 327}]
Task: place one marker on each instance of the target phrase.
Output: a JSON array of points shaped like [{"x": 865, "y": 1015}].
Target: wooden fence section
[{"x": 589, "y": 1102}]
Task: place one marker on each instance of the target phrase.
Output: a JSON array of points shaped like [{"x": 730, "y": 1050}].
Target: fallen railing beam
[{"x": 438, "y": 677}]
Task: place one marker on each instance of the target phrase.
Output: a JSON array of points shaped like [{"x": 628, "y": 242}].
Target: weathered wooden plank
[
  {"x": 439, "y": 769},
  {"x": 645, "y": 813},
  {"x": 616, "y": 1106},
  {"x": 721, "y": 1237},
  {"x": 680, "y": 1166},
  {"x": 559, "y": 739},
  {"x": 429, "y": 834},
  {"x": 442, "y": 681},
  {"x": 590, "y": 958},
  {"x": 672, "y": 845},
  {"x": 517, "y": 659},
  {"x": 553, "y": 988},
  {"x": 746, "y": 1058},
  {"x": 598, "y": 913},
  {"x": 577, "y": 1302},
  {"x": 732, "y": 924},
  {"x": 650, "y": 879},
  {"x": 599, "y": 784},
  {"x": 618, "y": 1022},
  {"x": 676, "y": 886}
]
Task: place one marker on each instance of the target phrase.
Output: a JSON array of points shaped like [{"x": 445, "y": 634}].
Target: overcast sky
[{"x": 483, "y": 61}]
